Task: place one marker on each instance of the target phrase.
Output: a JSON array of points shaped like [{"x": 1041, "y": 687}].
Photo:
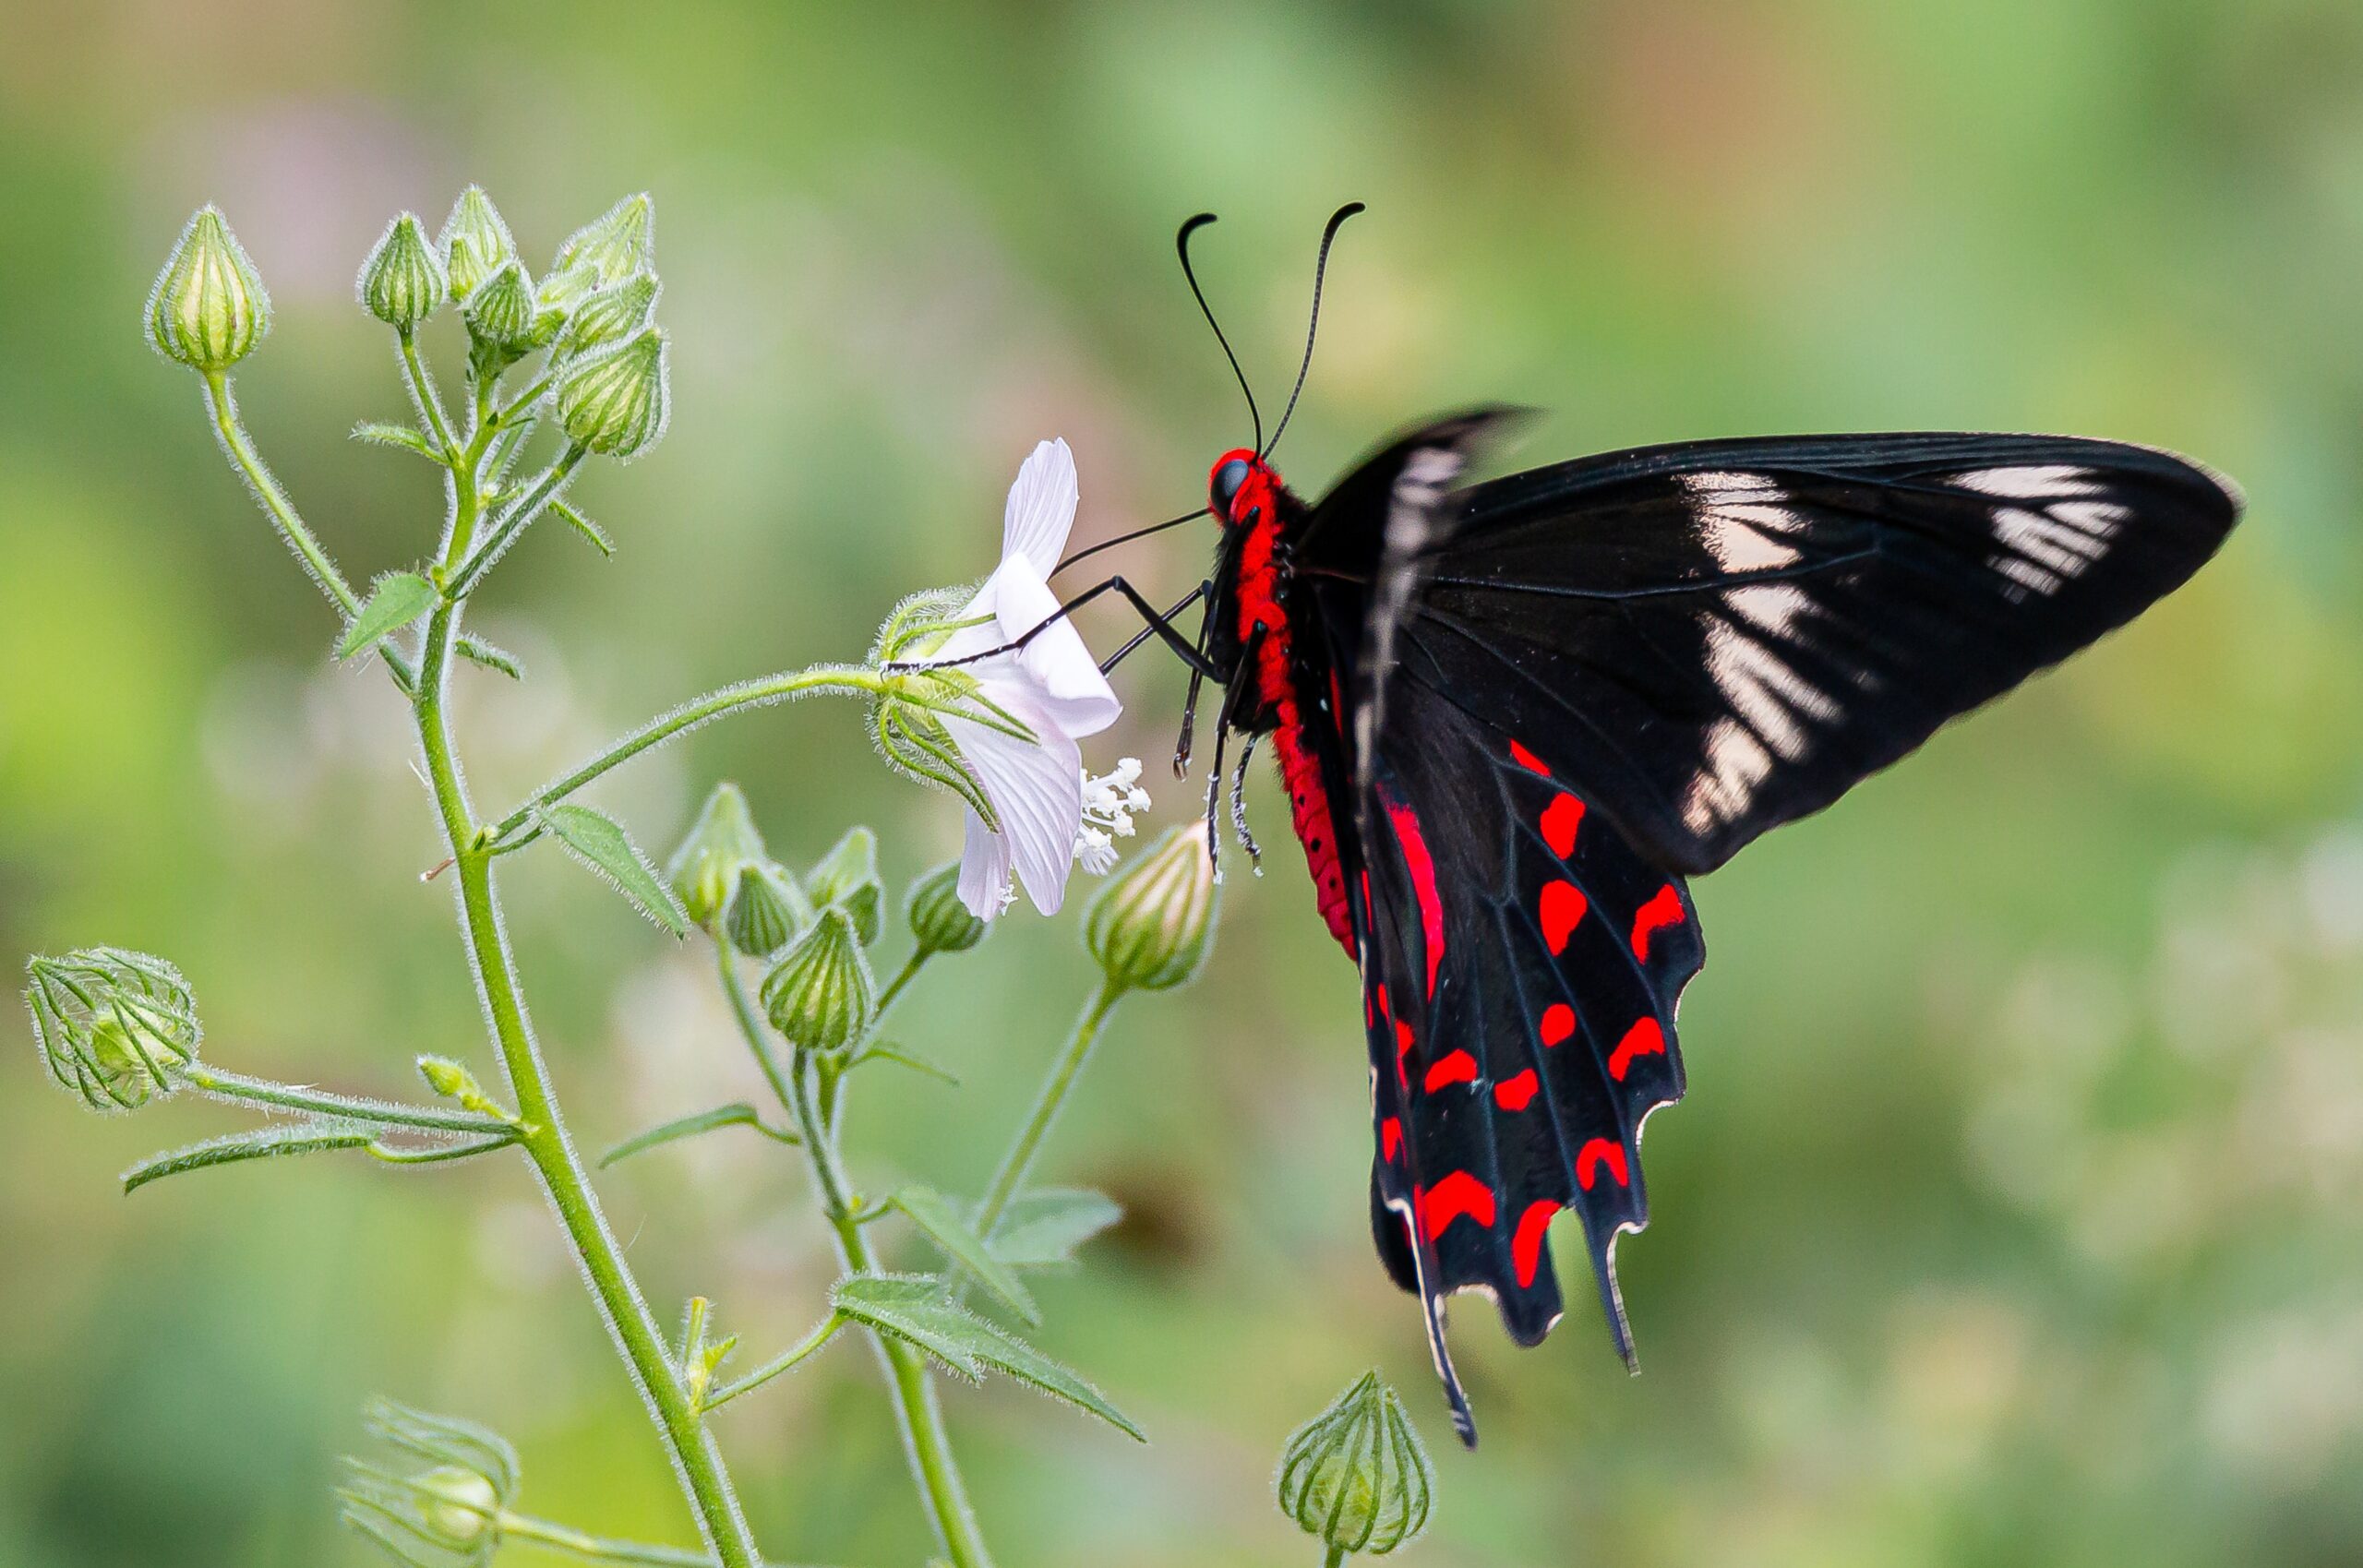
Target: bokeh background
[{"x": 2016, "y": 1216}]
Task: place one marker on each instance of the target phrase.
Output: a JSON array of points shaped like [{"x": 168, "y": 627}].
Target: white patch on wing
[
  {"x": 1769, "y": 698},
  {"x": 2058, "y": 538},
  {"x": 1420, "y": 489},
  {"x": 1743, "y": 519}
]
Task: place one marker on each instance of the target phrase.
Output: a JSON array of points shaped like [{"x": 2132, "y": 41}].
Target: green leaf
[
  {"x": 600, "y": 843},
  {"x": 917, "y": 1308},
  {"x": 400, "y": 436},
  {"x": 1046, "y": 1226},
  {"x": 302, "y": 1138},
  {"x": 398, "y": 599},
  {"x": 477, "y": 650},
  {"x": 934, "y": 1213},
  {"x": 584, "y": 526},
  {"x": 736, "y": 1113}
]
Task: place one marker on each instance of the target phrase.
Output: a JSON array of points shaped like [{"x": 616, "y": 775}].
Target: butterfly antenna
[
  {"x": 1320, "y": 270},
  {"x": 1181, "y": 244}
]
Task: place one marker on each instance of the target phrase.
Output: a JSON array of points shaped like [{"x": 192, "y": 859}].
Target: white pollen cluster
[{"x": 1109, "y": 803}]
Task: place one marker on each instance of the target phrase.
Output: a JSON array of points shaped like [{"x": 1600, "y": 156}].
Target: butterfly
[{"x": 1512, "y": 718}]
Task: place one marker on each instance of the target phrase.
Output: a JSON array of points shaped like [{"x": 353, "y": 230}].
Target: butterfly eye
[{"x": 1228, "y": 479}]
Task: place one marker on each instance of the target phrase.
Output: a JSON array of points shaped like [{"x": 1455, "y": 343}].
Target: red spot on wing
[
  {"x": 1597, "y": 1153},
  {"x": 1390, "y": 1137},
  {"x": 1526, "y": 1247},
  {"x": 1560, "y": 908},
  {"x": 1455, "y": 1067},
  {"x": 1517, "y": 1094},
  {"x": 1560, "y": 821},
  {"x": 1383, "y": 1010},
  {"x": 1558, "y": 1023},
  {"x": 1662, "y": 910},
  {"x": 1527, "y": 760},
  {"x": 1644, "y": 1038},
  {"x": 1457, "y": 1195},
  {"x": 1424, "y": 882}
]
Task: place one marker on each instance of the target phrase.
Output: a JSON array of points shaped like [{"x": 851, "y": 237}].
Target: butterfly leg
[
  {"x": 1189, "y": 701},
  {"x": 1160, "y": 625}
]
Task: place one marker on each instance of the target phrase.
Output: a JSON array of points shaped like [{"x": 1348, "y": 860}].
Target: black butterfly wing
[{"x": 1718, "y": 636}]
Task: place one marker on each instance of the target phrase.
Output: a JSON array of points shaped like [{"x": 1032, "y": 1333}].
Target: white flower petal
[
  {"x": 984, "y": 871},
  {"x": 1040, "y": 512},
  {"x": 1078, "y": 696},
  {"x": 1036, "y": 787}
]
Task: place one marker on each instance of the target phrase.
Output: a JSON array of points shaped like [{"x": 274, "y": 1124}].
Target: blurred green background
[{"x": 2015, "y": 1213}]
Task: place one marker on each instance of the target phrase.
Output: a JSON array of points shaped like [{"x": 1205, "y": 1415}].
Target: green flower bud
[
  {"x": 402, "y": 283},
  {"x": 613, "y": 402},
  {"x": 209, "y": 308},
  {"x": 820, "y": 994},
  {"x": 847, "y": 878},
  {"x": 703, "y": 871},
  {"x": 616, "y": 243},
  {"x": 767, "y": 909},
  {"x": 474, "y": 242},
  {"x": 442, "y": 1507},
  {"x": 113, "y": 1026},
  {"x": 940, "y": 922},
  {"x": 613, "y": 313},
  {"x": 1356, "y": 1475},
  {"x": 500, "y": 309},
  {"x": 1149, "y": 925}
]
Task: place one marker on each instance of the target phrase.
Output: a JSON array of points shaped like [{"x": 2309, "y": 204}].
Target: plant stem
[
  {"x": 423, "y": 393},
  {"x": 1011, "y": 1177},
  {"x": 1334, "y": 1557},
  {"x": 599, "y": 1548},
  {"x": 785, "y": 1361},
  {"x": 690, "y": 715},
  {"x": 926, "y": 1444},
  {"x": 696, "y": 1459},
  {"x": 283, "y": 516},
  {"x": 257, "y": 1091},
  {"x": 903, "y": 977},
  {"x": 513, "y": 519}
]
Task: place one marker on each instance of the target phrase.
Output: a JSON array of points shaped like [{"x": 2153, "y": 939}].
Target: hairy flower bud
[
  {"x": 613, "y": 313},
  {"x": 441, "y": 1510},
  {"x": 402, "y": 283},
  {"x": 474, "y": 242},
  {"x": 940, "y": 922},
  {"x": 501, "y": 310},
  {"x": 209, "y": 308},
  {"x": 618, "y": 243},
  {"x": 113, "y": 1025},
  {"x": 847, "y": 878},
  {"x": 905, "y": 719},
  {"x": 765, "y": 910},
  {"x": 820, "y": 995},
  {"x": 703, "y": 871},
  {"x": 1149, "y": 925},
  {"x": 1356, "y": 1475},
  {"x": 613, "y": 402}
]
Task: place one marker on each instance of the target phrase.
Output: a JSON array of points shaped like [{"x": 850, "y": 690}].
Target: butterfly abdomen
[{"x": 1261, "y": 611}]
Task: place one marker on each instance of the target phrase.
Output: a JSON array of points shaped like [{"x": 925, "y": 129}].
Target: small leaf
[
  {"x": 933, "y": 1213},
  {"x": 600, "y": 843},
  {"x": 302, "y": 1138},
  {"x": 886, "y": 1050},
  {"x": 736, "y": 1113},
  {"x": 477, "y": 650},
  {"x": 584, "y": 526},
  {"x": 1045, "y": 1226},
  {"x": 917, "y": 1308},
  {"x": 398, "y": 599},
  {"x": 400, "y": 436}
]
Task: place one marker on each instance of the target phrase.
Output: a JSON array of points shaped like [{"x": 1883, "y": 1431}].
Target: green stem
[
  {"x": 696, "y": 1459},
  {"x": 389, "y": 1113},
  {"x": 1011, "y": 1177},
  {"x": 523, "y": 401},
  {"x": 903, "y": 977},
  {"x": 420, "y": 382},
  {"x": 599, "y": 1548},
  {"x": 283, "y": 516},
  {"x": 926, "y": 1444},
  {"x": 513, "y": 519},
  {"x": 1334, "y": 1557},
  {"x": 785, "y": 1361},
  {"x": 689, "y": 716}
]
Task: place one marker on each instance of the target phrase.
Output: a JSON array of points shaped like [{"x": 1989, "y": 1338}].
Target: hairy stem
[
  {"x": 1334, "y": 1557},
  {"x": 1011, "y": 1177},
  {"x": 429, "y": 402},
  {"x": 513, "y": 520},
  {"x": 926, "y": 1444},
  {"x": 786, "y": 1360},
  {"x": 390, "y": 1113},
  {"x": 599, "y": 1548}
]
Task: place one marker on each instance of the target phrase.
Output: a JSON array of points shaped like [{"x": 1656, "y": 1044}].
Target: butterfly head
[{"x": 1240, "y": 486}]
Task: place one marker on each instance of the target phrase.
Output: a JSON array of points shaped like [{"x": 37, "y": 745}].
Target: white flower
[{"x": 1053, "y": 686}]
